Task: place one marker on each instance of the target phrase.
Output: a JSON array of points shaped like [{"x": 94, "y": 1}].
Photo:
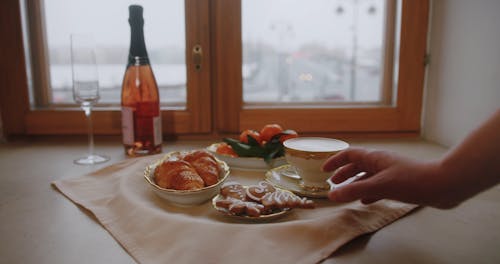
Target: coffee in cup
[{"x": 307, "y": 155}]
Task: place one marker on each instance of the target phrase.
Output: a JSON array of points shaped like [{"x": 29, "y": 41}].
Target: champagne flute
[{"x": 85, "y": 88}]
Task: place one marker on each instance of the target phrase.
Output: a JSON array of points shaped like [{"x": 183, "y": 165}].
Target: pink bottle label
[{"x": 128, "y": 125}]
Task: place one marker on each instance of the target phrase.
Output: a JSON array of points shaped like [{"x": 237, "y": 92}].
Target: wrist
[{"x": 454, "y": 184}]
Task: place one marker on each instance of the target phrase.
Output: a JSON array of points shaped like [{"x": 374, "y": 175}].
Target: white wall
[{"x": 463, "y": 85}]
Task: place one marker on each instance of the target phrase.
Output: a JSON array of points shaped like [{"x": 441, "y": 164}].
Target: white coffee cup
[{"x": 307, "y": 155}]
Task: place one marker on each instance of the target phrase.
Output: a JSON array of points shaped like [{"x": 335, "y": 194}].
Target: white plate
[
  {"x": 261, "y": 218},
  {"x": 285, "y": 177},
  {"x": 246, "y": 163}
]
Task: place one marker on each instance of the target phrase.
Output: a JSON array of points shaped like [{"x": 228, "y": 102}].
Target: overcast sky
[
  {"x": 283, "y": 23},
  {"x": 108, "y": 21}
]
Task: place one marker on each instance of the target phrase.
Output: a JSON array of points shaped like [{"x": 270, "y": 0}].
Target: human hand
[
  {"x": 466, "y": 170},
  {"x": 387, "y": 175}
]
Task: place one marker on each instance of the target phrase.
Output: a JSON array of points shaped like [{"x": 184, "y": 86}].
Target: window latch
[{"x": 197, "y": 55}]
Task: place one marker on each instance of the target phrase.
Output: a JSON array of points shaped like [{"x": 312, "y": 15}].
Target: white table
[{"x": 40, "y": 225}]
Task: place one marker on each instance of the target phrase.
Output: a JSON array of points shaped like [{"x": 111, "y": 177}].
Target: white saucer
[{"x": 285, "y": 177}]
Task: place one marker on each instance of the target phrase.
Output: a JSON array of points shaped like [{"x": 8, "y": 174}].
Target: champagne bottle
[{"x": 141, "y": 119}]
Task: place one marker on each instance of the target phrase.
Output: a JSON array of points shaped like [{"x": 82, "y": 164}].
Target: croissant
[
  {"x": 178, "y": 175},
  {"x": 206, "y": 166}
]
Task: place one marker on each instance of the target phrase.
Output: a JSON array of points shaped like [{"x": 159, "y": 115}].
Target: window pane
[
  {"x": 313, "y": 51},
  {"x": 108, "y": 21}
]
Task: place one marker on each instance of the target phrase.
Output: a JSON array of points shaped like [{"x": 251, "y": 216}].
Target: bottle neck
[
  {"x": 137, "y": 61},
  {"x": 137, "y": 54}
]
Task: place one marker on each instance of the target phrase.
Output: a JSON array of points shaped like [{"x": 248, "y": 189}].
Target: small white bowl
[{"x": 185, "y": 197}]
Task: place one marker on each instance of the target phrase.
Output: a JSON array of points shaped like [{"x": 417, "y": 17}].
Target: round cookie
[{"x": 234, "y": 190}]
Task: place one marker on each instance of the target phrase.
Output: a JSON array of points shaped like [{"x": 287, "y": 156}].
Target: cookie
[
  {"x": 239, "y": 207},
  {"x": 256, "y": 192},
  {"x": 234, "y": 190},
  {"x": 282, "y": 199}
]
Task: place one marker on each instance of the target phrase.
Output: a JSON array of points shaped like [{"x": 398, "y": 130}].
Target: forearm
[{"x": 474, "y": 165}]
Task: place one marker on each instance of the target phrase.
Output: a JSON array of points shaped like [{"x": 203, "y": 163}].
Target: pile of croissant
[{"x": 189, "y": 171}]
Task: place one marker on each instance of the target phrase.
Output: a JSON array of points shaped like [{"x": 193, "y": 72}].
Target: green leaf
[
  {"x": 245, "y": 150},
  {"x": 252, "y": 141},
  {"x": 273, "y": 148},
  {"x": 269, "y": 151},
  {"x": 272, "y": 153}
]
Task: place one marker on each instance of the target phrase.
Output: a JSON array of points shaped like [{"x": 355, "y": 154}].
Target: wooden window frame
[
  {"x": 19, "y": 118},
  {"x": 215, "y": 104},
  {"x": 401, "y": 119}
]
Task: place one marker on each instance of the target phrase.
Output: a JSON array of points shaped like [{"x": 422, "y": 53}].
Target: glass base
[{"x": 91, "y": 159}]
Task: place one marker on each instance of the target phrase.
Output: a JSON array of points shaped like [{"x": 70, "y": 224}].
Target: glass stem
[{"x": 88, "y": 113}]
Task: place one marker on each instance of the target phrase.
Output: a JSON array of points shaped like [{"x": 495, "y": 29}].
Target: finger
[
  {"x": 351, "y": 192},
  {"x": 368, "y": 189},
  {"x": 345, "y": 172},
  {"x": 369, "y": 200},
  {"x": 344, "y": 157}
]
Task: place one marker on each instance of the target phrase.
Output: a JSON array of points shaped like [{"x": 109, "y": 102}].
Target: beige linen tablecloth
[{"x": 154, "y": 231}]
